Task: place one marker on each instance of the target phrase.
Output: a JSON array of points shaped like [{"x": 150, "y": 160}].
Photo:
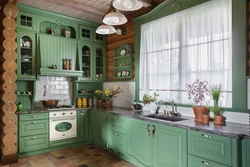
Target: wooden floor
[{"x": 83, "y": 156}]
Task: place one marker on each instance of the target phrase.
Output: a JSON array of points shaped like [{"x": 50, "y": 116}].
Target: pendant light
[
  {"x": 105, "y": 29},
  {"x": 114, "y": 18},
  {"x": 127, "y": 5}
]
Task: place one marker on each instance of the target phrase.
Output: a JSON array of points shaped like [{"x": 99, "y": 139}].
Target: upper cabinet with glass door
[
  {"x": 26, "y": 21},
  {"x": 88, "y": 33},
  {"x": 100, "y": 62},
  {"x": 26, "y": 57}
]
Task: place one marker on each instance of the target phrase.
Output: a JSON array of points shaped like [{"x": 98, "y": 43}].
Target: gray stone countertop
[{"x": 232, "y": 130}]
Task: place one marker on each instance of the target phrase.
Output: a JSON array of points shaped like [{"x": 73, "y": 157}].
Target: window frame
[{"x": 239, "y": 46}]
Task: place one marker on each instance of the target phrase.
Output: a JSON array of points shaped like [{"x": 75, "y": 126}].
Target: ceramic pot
[
  {"x": 99, "y": 103},
  {"x": 199, "y": 111},
  {"x": 107, "y": 103},
  {"x": 205, "y": 119},
  {"x": 218, "y": 120}
]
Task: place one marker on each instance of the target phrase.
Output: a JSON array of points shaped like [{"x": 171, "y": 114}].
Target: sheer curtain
[{"x": 188, "y": 45}]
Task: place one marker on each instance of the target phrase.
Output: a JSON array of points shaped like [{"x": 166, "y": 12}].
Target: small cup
[
  {"x": 97, "y": 75},
  {"x": 100, "y": 75}
]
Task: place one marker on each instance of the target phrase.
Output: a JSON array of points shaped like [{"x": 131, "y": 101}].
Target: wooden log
[
  {"x": 8, "y": 107},
  {"x": 9, "y": 44},
  {"x": 8, "y": 76},
  {"x": 9, "y": 128},
  {"x": 8, "y": 55},
  {"x": 10, "y": 10},
  {"x": 9, "y": 149},
  {"x": 9, "y": 33},
  {"x": 119, "y": 43},
  {"x": 114, "y": 39},
  {"x": 8, "y": 118},
  {"x": 9, "y": 22},
  {"x": 8, "y": 87},
  {"x": 8, "y": 97},
  {"x": 111, "y": 53},
  {"x": 8, "y": 65},
  {"x": 8, "y": 139}
]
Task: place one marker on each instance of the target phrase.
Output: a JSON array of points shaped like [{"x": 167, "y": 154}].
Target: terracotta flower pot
[
  {"x": 199, "y": 111},
  {"x": 205, "y": 119},
  {"x": 218, "y": 120},
  {"x": 99, "y": 103},
  {"x": 108, "y": 103}
]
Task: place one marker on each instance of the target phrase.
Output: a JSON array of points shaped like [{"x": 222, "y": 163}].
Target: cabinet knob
[
  {"x": 116, "y": 117},
  {"x": 34, "y": 137},
  {"x": 206, "y": 163},
  {"x": 34, "y": 122},
  {"x": 33, "y": 116},
  {"x": 206, "y": 136},
  {"x": 117, "y": 134}
]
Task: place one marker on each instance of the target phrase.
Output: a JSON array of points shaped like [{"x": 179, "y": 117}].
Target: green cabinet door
[
  {"x": 26, "y": 55},
  {"x": 36, "y": 127},
  {"x": 32, "y": 143},
  {"x": 86, "y": 33},
  {"x": 99, "y": 128},
  {"x": 26, "y": 21},
  {"x": 100, "y": 62},
  {"x": 139, "y": 141},
  {"x": 246, "y": 153},
  {"x": 170, "y": 146},
  {"x": 82, "y": 125}
]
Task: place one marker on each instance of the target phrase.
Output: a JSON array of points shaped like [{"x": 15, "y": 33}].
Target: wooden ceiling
[{"x": 91, "y": 10}]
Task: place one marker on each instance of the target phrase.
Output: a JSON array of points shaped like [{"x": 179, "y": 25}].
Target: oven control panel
[{"x": 54, "y": 114}]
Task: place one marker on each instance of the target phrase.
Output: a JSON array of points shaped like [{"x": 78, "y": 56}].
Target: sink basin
[{"x": 166, "y": 118}]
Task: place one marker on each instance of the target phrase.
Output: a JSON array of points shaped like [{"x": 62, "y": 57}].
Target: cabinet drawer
[
  {"x": 118, "y": 124},
  {"x": 33, "y": 143},
  {"x": 201, "y": 162},
  {"x": 28, "y": 128},
  {"x": 28, "y": 117},
  {"x": 214, "y": 147},
  {"x": 62, "y": 142},
  {"x": 117, "y": 140}
]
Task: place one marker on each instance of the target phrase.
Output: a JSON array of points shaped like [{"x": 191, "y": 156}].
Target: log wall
[{"x": 8, "y": 87}]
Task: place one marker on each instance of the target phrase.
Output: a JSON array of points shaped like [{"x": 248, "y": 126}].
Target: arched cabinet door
[{"x": 100, "y": 62}]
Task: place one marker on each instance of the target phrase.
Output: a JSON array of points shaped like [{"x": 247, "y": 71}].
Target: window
[{"x": 191, "y": 44}]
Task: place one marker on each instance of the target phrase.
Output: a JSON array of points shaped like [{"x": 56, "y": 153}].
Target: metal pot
[{"x": 49, "y": 103}]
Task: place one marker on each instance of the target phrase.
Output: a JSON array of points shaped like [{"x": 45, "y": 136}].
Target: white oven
[{"x": 62, "y": 125}]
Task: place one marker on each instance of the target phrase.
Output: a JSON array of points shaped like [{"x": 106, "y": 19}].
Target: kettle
[{"x": 137, "y": 106}]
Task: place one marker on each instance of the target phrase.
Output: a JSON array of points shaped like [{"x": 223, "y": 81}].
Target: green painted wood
[
  {"x": 32, "y": 143},
  {"x": 99, "y": 127},
  {"x": 86, "y": 33},
  {"x": 26, "y": 21},
  {"x": 26, "y": 56},
  {"x": 246, "y": 153},
  {"x": 236, "y": 152},
  {"x": 32, "y": 117},
  {"x": 28, "y": 128},
  {"x": 213, "y": 147},
  {"x": 83, "y": 125},
  {"x": 62, "y": 142},
  {"x": 118, "y": 124},
  {"x": 117, "y": 140},
  {"x": 99, "y": 62},
  {"x": 170, "y": 146},
  {"x": 201, "y": 162},
  {"x": 139, "y": 143},
  {"x": 64, "y": 73},
  {"x": 100, "y": 38},
  {"x": 25, "y": 99},
  {"x": 239, "y": 53}
]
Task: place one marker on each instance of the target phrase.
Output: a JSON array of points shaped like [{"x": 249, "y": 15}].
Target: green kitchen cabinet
[
  {"x": 99, "y": 125},
  {"x": 139, "y": 141},
  {"x": 89, "y": 34},
  {"x": 32, "y": 143},
  {"x": 82, "y": 125},
  {"x": 202, "y": 162},
  {"x": 170, "y": 146},
  {"x": 28, "y": 128},
  {"x": 26, "y": 55},
  {"x": 246, "y": 153},
  {"x": 92, "y": 58},
  {"x": 26, "y": 21}
]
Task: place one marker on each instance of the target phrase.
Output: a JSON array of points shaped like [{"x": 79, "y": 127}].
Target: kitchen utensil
[
  {"x": 137, "y": 106},
  {"x": 49, "y": 103}
]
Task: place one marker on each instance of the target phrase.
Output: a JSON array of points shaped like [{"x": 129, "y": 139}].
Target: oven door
[{"x": 62, "y": 128}]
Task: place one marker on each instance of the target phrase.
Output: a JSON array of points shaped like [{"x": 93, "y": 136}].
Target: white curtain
[{"x": 188, "y": 45}]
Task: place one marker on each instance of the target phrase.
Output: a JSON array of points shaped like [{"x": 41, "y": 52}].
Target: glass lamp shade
[
  {"x": 105, "y": 29},
  {"x": 114, "y": 18},
  {"x": 127, "y": 5}
]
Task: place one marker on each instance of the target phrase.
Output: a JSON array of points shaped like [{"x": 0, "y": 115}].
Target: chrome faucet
[
  {"x": 174, "y": 109},
  {"x": 158, "y": 106}
]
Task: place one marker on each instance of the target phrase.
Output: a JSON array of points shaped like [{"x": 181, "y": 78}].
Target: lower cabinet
[
  {"x": 32, "y": 143},
  {"x": 246, "y": 153},
  {"x": 157, "y": 145},
  {"x": 201, "y": 162},
  {"x": 82, "y": 125}
]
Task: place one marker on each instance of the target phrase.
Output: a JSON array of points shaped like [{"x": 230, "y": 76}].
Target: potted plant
[
  {"x": 98, "y": 94},
  {"x": 216, "y": 93},
  {"x": 205, "y": 118},
  {"x": 147, "y": 99},
  {"x": 108, "y": 95},
  {"x": 198, "y": 92}
]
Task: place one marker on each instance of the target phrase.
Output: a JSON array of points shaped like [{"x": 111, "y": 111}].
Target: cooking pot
[{"x": 49, "y": 103}]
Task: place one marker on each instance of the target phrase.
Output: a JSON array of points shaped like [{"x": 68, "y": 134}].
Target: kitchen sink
[{"x": 172, "y": 118}]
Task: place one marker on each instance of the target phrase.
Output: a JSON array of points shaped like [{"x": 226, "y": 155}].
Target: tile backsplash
[{"x": 58, "y": 88}]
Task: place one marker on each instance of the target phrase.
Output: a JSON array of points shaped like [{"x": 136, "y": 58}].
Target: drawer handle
[
  {"x": 33, "y": 116},
  {"x": 34, "y": 122},
  {"x": 153, "y": 131},
  {"x": 116, "y": 117},
  {"x": 117, "y": 134},
  {"x": 34, "y": 138},
  {"x": 207, "y": 136},
  {"x": 206, "y": 163},
  {"x": 148, "y": 126}
]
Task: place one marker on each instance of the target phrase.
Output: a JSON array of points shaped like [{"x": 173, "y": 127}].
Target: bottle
[
  {"x": 90, "y": 102},
  {"x": 84, "y": 102},
  {"x": 66, "y": 64},
  {"x": 70, "y": 64},
  {"x": 79, "y": 103}
]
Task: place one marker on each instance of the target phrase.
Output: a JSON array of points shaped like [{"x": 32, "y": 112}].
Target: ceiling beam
[{"x": 77, "y": 6}]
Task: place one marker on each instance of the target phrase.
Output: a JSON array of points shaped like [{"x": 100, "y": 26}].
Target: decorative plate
[
  {"x": 119, "y": 74},
  {"x": 123, "y": 52},
  {"x": 124, "y": 73},
  {"x": 127, "y": 73}
]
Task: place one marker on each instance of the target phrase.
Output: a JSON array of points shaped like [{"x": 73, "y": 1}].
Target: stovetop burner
[{"x": 60, "y": 107}]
